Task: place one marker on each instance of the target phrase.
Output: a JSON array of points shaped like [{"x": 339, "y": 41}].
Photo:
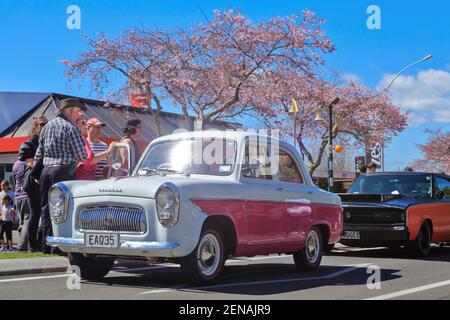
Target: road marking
[
  {"x": 36, "y": 278},
  {"x": 348, "y": 269},
  {"x": 411, "y": 291}
]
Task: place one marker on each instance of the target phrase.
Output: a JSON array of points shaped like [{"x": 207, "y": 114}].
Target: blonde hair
[{"x": 36, "y": 121}]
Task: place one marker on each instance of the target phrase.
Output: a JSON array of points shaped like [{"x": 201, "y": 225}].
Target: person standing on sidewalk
[
  {"x": 22, "y": 203},
  {"x": 131, "y": 134},
  {"x": 94, "y": 131},
  {"x": 7, "y": 214},
  {"x": 61, "y": 146},
  {"x": 31, "y": 181},
  {"x": 86, "y": 170}
]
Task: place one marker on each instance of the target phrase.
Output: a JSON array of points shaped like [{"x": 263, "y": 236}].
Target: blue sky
[{"x": 34, "y": 38}]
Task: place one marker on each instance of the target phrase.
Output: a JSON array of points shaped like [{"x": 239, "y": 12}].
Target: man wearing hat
[
  {"x": 94, "y": 131},
  {"x": 61, "y": 146}
]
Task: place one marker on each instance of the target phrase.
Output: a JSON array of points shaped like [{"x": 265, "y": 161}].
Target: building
[{"x": 17, "y": 110}]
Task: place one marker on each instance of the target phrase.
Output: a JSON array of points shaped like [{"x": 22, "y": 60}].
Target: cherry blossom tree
[
  {"x": 436, "y": 152},
  {"x": 217, "y": 70},
  {"x": 361, "y": 115}
]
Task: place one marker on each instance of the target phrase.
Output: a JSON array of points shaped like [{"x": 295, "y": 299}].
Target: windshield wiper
[{"x": 164, "y": 171}]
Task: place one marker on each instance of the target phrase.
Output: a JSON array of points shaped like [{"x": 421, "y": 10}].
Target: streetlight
[
  {"x": 428, "y": 57},
  {"x": 386, "y": 90},
  {"x": 330, "y": 142},
  {"x": 294, "y": 111}
]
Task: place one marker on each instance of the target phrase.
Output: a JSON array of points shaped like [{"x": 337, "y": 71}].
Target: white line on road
[
  {"x": 411, "y": 291},
  {"x": 348, "y": 269}
]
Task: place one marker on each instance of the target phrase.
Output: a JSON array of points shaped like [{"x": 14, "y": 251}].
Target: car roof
[
  {"x": 218, "y": 134},
  {"x": 410, "y": 173}
]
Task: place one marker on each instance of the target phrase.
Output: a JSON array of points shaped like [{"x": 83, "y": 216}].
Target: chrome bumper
[{"x": 127, "y": 248}]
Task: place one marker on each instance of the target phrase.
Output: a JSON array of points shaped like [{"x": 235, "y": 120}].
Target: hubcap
[
  {"x": 312, "y": 247},
  {"x": 208, "y": 254}
]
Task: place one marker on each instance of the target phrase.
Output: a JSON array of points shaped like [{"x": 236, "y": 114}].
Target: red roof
[{"x": 10, "y": 145}]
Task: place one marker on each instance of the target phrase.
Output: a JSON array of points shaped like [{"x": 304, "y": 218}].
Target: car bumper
[
  {"x": 126, "y": 248},
  {"x": 377, "y": 234}
]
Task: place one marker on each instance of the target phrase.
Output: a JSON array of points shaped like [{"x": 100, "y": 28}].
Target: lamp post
[
  {"x": 330, "y": 143},
  {"x": 294, "y": 111},
  {"x": 386, "y": 90}
]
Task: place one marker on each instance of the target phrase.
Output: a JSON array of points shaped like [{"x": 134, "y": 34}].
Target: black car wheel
[
  {"x": 90, "y": 268},
  {"x": 422, "y": 245}
]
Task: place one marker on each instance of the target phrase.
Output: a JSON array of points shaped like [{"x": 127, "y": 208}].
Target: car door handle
[{"x": 280, "y": 189}]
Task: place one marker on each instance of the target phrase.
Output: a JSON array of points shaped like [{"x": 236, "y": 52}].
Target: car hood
[
  {"x": 379, "y": 200},
  {"x": 140, "y": 187}
]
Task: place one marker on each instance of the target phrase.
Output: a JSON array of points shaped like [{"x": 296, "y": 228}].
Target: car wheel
[
  {"x": 309, "y": 258},
  {"x": 422, "y": 245},
  {"x": 90, "y": 268},
  {"x": 204, "y": 265}
]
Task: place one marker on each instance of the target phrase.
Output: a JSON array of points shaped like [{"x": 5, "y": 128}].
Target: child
[{"x": 7, "y": 214}]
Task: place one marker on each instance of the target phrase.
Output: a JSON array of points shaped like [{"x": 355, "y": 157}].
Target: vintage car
[
  {"x": 398, "y": 209},
  {"x": 195, "y": 199}
]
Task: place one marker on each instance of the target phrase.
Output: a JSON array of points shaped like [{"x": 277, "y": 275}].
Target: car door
[
  {"x": 297, "y": 196},
  {"x": 264, "y": 196},
  {"x": 443, "y": 199}
]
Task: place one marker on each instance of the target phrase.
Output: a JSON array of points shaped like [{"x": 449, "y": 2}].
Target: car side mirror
[
  {"x": 119, "y": 161},
  {"x": 116, "y": 165}
]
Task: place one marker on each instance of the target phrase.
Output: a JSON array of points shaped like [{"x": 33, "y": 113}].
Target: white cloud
[
  {"x": 418, "y": 118},
  {"x": 427, "y": 92}
]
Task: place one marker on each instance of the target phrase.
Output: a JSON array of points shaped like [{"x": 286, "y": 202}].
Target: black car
[{"x": 394, "y": 209}]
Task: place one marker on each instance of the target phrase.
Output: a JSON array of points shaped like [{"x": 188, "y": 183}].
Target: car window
[
  {"x": 444, "y": 186},
  {"x": 288, "y": 170},
  {"x": 257, "y": 162}
]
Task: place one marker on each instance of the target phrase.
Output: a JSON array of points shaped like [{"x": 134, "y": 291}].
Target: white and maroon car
[{"x": 197, "y": 198}]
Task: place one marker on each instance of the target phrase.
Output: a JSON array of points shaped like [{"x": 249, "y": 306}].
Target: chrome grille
[{"x": 120, "y": 219}]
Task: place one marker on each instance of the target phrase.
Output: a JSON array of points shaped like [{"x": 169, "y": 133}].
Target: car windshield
[
  {"x": 191, "y": 156},
  {"x": 407, "y": 185}
]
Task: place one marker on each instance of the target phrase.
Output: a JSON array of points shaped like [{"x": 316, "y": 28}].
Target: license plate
[
  {"x": 351, "y": 235},
  {"x": 101, "y": 240}
]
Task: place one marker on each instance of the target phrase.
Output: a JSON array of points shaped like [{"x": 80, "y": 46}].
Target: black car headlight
[
  {"x": 167, "y": 200},
  {"x": 58, "y": 197}
]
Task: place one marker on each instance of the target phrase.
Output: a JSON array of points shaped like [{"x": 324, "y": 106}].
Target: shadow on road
[
  {"x": 437, "y": 253},
  {"x": 252, "y": 279}
]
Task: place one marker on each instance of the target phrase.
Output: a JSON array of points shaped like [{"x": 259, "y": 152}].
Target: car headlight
[
  {"x": 58, "y": 202},
  {"x": 167, "y": 200}
]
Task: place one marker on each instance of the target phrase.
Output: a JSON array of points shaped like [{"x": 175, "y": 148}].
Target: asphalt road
[{"x": 343, "y": 275}]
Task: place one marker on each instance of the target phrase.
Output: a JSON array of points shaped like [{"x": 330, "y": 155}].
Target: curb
[{"x": 32, "y": 271}]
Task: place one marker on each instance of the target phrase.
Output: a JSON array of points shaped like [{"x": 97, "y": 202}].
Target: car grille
[
  {"x": 119, "y": 219},
  {"x": 370, "y": 215}
]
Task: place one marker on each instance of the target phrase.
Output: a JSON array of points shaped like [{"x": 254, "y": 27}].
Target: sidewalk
[{"x": 14, "y": 267}]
